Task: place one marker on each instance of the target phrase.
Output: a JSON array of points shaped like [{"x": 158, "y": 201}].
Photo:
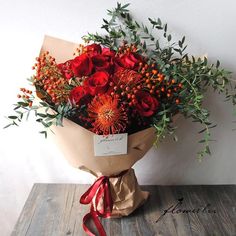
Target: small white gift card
[{"x": 115, "y": 144}]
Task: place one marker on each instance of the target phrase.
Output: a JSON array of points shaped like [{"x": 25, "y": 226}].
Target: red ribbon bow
[{"x": 100, "y": 189}]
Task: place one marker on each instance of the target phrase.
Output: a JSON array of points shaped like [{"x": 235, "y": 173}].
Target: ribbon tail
[
  {"x": 87, "y": 197},
  {"x": 94, "y": 217}
]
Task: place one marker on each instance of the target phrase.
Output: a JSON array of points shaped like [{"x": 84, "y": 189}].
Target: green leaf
[
  {"x": 41, "y": 115},
  {"x": 208, "y": 150},
  {"x": 24, "y": 104},
  {"x": 12, "y": 117},
  {"x": 44, "y": 132},
  {"x": 125, "y": 6},
  {"x": 7, "y": 126},
  {"x": 43, "y": 104},
  {"x": 17, "y": 107},
  {"x": 165, "y": 28}
]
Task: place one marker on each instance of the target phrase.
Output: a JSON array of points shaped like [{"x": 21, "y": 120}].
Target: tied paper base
[{"x": 126, "y": 194}]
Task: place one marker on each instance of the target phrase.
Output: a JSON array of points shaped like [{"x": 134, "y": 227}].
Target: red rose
[
  {"x": 146, "y": 104},
  {"x": 130, "y": 60},
  {"x": 98, "y": 83},
  {"x": 82, "y": 65},
  {"x": 101, "y": 62},
  {"x": 108, "y": 52},
  {"x": 65, "y": 69},
  {"x": 93, "y": 49},
  {"x": 78, "y": 95}
]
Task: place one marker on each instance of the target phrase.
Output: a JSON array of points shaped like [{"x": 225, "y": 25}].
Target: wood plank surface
[{"x": 54, "y": 210}]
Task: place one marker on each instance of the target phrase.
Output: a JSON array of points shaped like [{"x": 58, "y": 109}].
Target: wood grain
[{"x": 54, "y": 210}]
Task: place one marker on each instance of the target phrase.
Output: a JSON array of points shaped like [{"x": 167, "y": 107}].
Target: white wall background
[{"x": 26, "y": 158}]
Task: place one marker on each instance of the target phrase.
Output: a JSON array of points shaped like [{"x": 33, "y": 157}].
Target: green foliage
[
  {"x": 195, "y": 74},
  {"x": 44, "y": 113}
]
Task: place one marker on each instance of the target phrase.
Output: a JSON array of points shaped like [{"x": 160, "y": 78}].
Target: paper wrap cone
[{"x": 77, "y": 145}]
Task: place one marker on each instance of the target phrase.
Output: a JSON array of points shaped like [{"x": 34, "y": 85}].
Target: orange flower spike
[
  {"x": 177, "y": 101},
  {"x": 108, "y": 116}
]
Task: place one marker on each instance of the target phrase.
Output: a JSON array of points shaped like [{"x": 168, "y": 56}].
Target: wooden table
[{"x": 54, "y": 210}]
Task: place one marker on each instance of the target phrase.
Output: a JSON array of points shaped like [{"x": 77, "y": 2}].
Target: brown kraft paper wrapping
[{"x": 76, "y": 144}]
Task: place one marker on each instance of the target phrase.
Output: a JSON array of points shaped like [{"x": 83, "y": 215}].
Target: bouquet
[{"x": 109, "y": 99}]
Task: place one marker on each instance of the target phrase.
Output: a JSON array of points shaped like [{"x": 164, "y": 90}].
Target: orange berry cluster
[
  {"x": 49, "y": 78},
  {"x": 155, "y": 83},
  {"x": 148, "y": 79},
  {"x": 26, "y": 95},
  {"x": 79, "y": 50},
  {"x": 127, "y": 86},
  {"x": 126, "y": 48}
]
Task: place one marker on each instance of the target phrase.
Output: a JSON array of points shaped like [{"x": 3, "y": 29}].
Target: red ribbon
[{"x": 99, "y": 190}]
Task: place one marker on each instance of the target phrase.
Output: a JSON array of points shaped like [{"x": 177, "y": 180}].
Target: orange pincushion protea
[
  {"x": 109, "y": 117},
  {"x": 127, "y": 76}
]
